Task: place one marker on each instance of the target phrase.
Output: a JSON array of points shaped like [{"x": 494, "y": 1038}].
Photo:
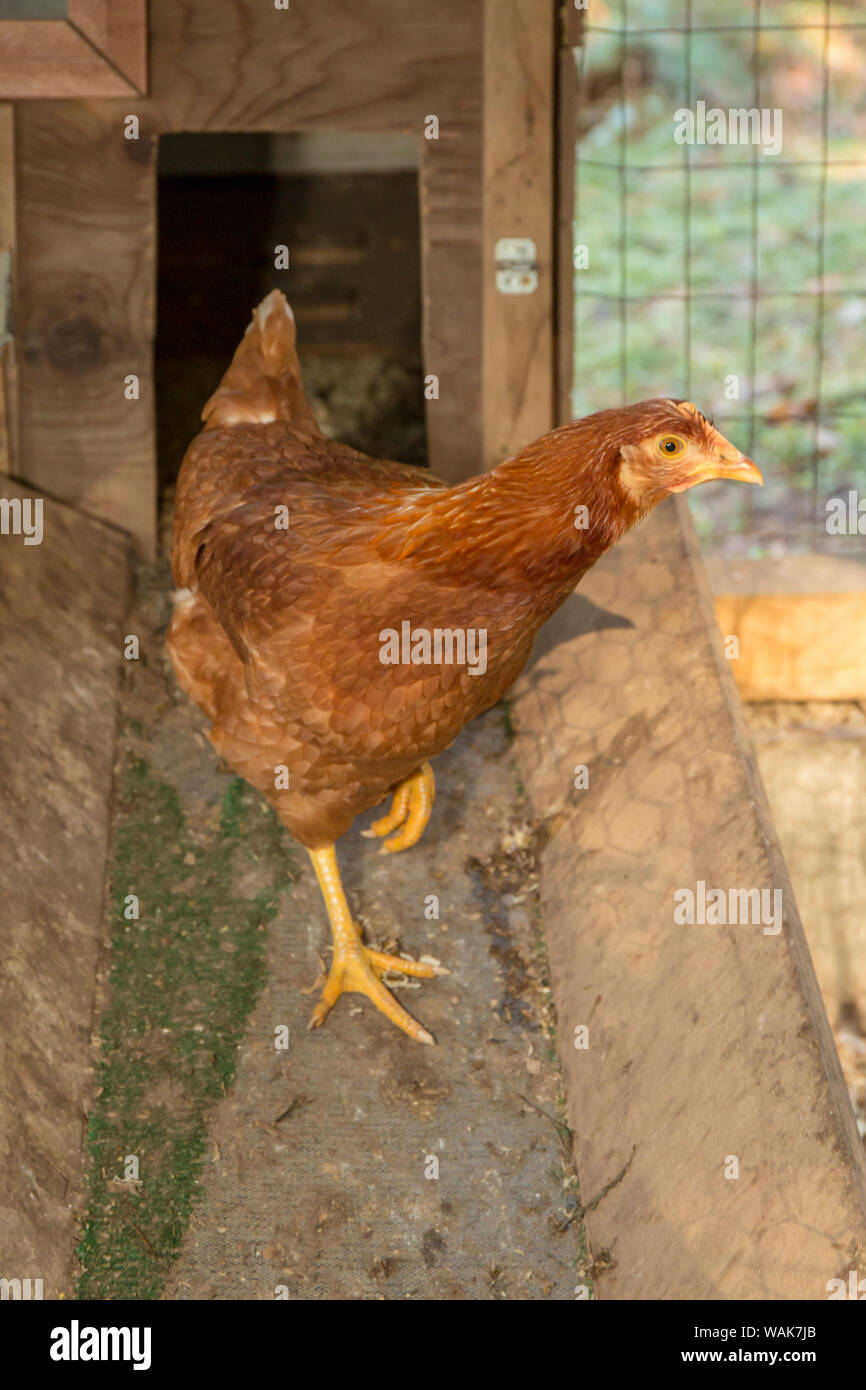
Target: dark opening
[{"x": 346, "y": 207}]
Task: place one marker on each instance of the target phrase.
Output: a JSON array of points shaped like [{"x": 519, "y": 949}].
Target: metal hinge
[{"x": 516, "y": 265}]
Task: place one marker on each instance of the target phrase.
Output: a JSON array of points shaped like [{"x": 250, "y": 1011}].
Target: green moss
[{"x": 184, "y": 978}]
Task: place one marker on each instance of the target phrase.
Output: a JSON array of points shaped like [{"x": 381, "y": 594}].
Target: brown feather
[{"x": 279, "y": 639}]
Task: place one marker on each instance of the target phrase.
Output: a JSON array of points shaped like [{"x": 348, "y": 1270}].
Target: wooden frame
[
  {"x": 518, "y": 367},
  {"x": 99, "y": 50},
  {"x": 569, "y": 38},
  {"x": 85, "y": 277},
  {"x": 87, "y": 218},
  {"x": 8, "y": 388}
]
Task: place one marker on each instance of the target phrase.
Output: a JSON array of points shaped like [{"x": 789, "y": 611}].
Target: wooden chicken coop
[
  {"x": 91, "y": 98},
  {"x": 130, "y": 259}
]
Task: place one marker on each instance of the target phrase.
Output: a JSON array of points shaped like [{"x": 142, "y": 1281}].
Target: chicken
[{"x": 341, "y": 618}]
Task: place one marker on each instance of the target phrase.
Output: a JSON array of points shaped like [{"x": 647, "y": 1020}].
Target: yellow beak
[{"x": 734, "y": 465}]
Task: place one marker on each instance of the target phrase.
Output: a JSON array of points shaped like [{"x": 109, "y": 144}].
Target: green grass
[{"x": 183, "y": 980}]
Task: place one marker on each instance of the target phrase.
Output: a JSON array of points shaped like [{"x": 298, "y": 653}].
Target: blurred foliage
[{"x": 736, "y": 222}]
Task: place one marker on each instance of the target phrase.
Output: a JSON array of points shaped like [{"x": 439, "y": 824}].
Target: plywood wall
[{"x": 87, "y": 204}]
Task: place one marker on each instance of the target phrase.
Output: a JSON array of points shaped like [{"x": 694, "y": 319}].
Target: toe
[
  {"x": 422, "y": 969},
  {"x": 361, "y": 978}
]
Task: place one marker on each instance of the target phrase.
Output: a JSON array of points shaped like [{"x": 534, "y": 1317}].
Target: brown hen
[{"x": 341, "y": 618}]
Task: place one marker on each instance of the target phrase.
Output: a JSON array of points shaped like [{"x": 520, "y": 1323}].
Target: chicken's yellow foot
[
  {"x": 410, "y": 809},
  {"x": 397, "y": 814},
  {"x": 357, "y": 967}
]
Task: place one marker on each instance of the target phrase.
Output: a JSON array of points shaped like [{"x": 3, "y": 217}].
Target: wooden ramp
[
  {"x": 61, "y": 607},
  {"x": 710, "y": 1092}
]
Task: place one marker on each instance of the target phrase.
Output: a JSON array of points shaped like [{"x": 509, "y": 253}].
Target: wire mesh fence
[{"x": 720, "y": 215}]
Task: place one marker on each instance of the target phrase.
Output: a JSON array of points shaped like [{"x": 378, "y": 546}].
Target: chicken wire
[{"x": 713, "y": 262}]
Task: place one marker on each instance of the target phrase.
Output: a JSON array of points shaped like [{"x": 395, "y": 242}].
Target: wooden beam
[
  {"x": 797, "y": 646},
  {"x": 62, "y": 614},
  {"x": 518, "y": 371},
  {"x": 798, "y": 623},
  {"x": 87, "y": 204},
  {"x": 87, "y": 216},
  {"x": 450, "y": 190},
  {"x": 704, "y": 1040},
  {"x": 570, "y": 34},
  {"x": 51, "y": 58},
  {"x": 8, "y": 379},
  {"x": 369, "y": 65},
  {"x": 118, "y": 29}
]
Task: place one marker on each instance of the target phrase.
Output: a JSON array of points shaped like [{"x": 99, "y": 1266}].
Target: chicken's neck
[{"x": 533, "y": 525}]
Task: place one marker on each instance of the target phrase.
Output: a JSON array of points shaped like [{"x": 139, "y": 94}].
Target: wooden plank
[
  {"x": 572, "y": 21},
  {"x": 8, "y": 375},
  {"x": 86, "y": 310},
  {"x": 62, "y": 606},
  {"x": 517, "y": 369},
  {"x": 785, "y": 574},
  {"x": 799, "y": 622},
  {"x": 49, "y": 58},
  {"x": 450, "y": 191},
  {"x": 797, "y": 646},
  {"x": 566, "y": 137},
  {"x": 118, "y": 29},
  {"x": 87, "y": 215},
  {"x": 570, "y": 37},
  {"x": 371, "y": 65},
  {"x": 703, "y": 1040}
]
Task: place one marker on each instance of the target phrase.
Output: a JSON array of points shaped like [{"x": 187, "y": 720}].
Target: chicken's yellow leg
[
  {"x": 411, "y": 807},
  {"x": 357, "y": 967}
]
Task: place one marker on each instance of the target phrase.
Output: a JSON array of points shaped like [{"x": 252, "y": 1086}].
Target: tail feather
[{"x": 263, "y": 382}]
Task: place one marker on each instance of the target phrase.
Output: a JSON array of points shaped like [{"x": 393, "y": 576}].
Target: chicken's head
[{"x": 680, "y": 448}]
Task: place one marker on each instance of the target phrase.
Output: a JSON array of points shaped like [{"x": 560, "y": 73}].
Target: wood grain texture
[
  {"x": 86, "y": 311},
  {"x": 704, "y": 1040},
  {"x": 451, "y": 299},
  {"x": 8, "y": 373},
  {"x": 518, "y": 202},
  {"x": 50, "y": 58},
  {"x": 87, "y": 210},
  {"x": 118, "y": 29},
  {"x": 564, "y": 296},
  {"x": 337, "y": 65},
  {"x": 570, "y": 35},
  {"x": 62, "y": 607}
]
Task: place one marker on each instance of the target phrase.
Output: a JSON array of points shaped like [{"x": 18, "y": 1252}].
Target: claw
[{"x": 357, "y": 968}]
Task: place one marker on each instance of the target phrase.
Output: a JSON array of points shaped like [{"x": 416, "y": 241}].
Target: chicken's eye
[{"x": 671, "y": 445}]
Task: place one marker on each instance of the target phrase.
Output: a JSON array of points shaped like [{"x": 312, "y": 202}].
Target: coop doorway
[{"x": 333, "y": 221}]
